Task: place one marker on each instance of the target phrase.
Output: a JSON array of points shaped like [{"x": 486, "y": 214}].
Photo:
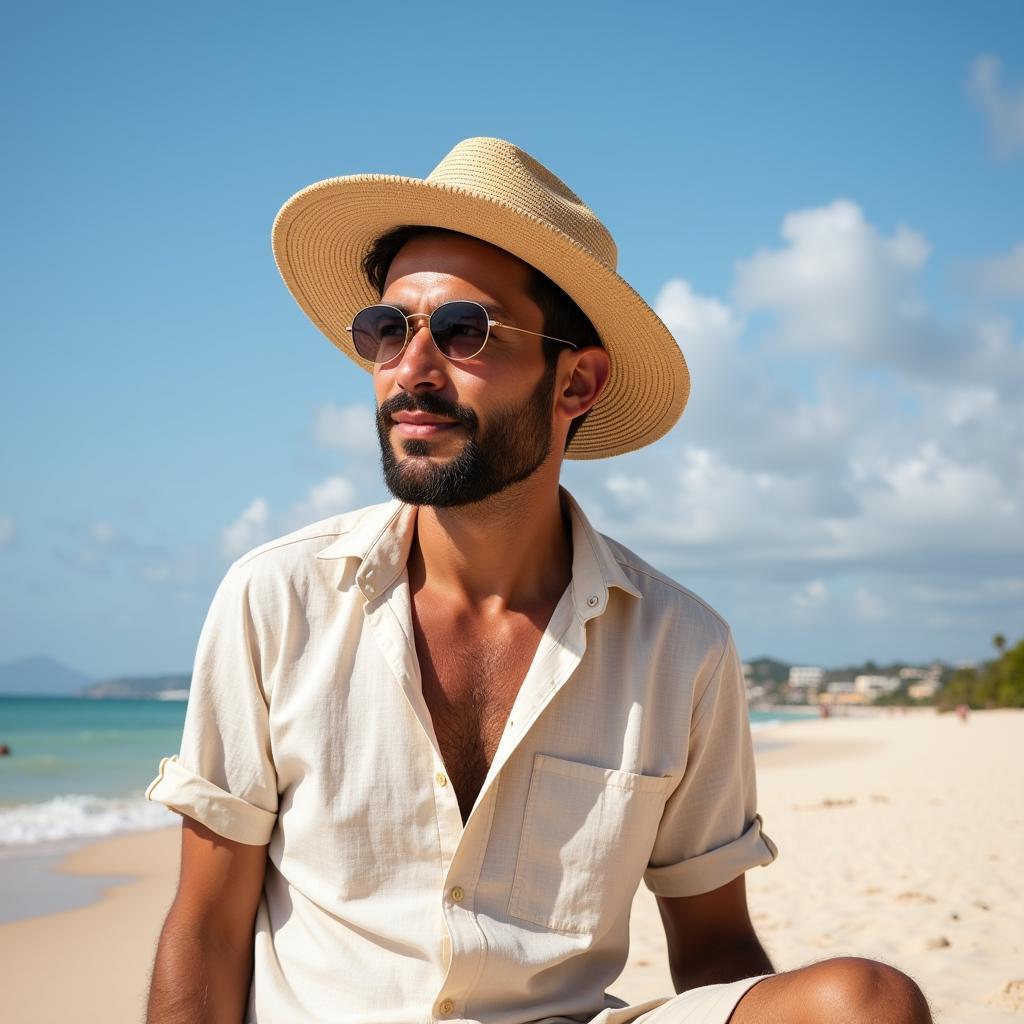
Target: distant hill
[
  {"x": 152, "y": 687},
  {"x": 40, "y": 676},
  {"x": 765, "y": 670}
]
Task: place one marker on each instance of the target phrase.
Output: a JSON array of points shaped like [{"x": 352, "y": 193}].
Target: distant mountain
[
  {"x": 151, "y": 687},
  {"x": 40, "y": 676}
]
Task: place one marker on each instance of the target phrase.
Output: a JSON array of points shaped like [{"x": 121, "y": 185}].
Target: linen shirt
[{"x": 627, "y": 755}]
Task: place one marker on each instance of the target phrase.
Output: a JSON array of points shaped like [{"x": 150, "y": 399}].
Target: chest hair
[{"x": 470, "y": 680}]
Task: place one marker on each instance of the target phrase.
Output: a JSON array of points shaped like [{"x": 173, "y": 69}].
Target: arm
[
  {"x": 710, "y": 937},
  {"x": 203, "y": 962}
]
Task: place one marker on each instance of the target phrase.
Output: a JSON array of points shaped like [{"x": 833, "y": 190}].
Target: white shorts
[{"x": 708, "y": 1004}]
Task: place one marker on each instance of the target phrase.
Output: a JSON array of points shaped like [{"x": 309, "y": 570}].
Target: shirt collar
[
  {"x": 381, "y": 537},
  {"x": 595, "y": 569}
]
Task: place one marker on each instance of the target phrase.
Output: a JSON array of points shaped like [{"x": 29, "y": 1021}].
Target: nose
[{"x": 421, "y": 366}]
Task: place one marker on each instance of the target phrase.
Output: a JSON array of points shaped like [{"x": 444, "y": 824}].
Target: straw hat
[{"x": 491, "y": 190}]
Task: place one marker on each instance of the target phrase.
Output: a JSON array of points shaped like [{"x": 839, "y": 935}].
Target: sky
[{"x": 825, "y": 203}]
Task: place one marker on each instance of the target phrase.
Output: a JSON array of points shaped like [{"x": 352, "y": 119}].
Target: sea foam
[{"x": 80, "y": 816}]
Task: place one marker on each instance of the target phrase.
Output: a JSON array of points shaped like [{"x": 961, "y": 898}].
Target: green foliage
[{"x": 996, "y": 684}]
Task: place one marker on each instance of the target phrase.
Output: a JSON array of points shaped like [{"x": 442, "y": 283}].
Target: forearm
[
  {"x": 198, "y": 979},
  {"x": 727, "y": 963}
]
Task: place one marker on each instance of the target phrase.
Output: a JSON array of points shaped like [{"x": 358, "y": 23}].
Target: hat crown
[{"x": 500, "y": 171}]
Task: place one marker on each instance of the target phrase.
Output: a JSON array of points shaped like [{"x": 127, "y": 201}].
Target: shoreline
[
  {"x": 896, "y": 836},
  {"x": 39, "y": 879},
  {"x": 101, "y": 953}
]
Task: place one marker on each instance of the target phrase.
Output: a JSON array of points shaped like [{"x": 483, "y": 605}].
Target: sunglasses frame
[{"x": 409, "y": 332}]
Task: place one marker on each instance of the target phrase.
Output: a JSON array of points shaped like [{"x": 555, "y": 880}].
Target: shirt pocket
[{"x": 587, "y": 837}]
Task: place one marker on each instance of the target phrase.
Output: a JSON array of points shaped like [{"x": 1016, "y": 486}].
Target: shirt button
[
  {"x": 441, "y": 780},
  {"x": 447, "y": 1006},
  {"x": 458, "y": 895},
  {"x": 592, "y": 600}
]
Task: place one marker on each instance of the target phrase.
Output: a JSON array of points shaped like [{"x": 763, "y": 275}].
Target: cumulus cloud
[
  {"x": 249, "y": 530},
  {"x": 332, "y": 496},
  {"x": 256, "y": 524},
  {"x": 1001, "y": 276},
  {"x": 840, "y": 287},
  {"x": 8, "y": 531},
  {"x": 812, "y": 596},
  {"x": 845, "y": 448},
  {"x": 346, "y": 428},
  {"x": 1001, "y": 104},
  {"x": 104, "y": 534}
]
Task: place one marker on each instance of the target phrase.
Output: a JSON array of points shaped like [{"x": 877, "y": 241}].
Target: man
[{"x": 432, "y": 747}]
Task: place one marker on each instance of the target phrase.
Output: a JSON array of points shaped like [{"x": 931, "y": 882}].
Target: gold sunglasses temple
[{"x": 509, "y": 327}]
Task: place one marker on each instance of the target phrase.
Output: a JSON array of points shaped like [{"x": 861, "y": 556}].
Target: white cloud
[
  {"x": 104, "y": 533},
  {"x": 812, "y": 596},
  {"x": 249, "y": 530},
  {"x": 839, "y": 286},
  {"x": 348, "y": 428},
  {"x": 256, "y": 525},
  {"x": 8, "y": 530},
  {"x": 334, "y": 495},
  {"x": 1003, "y": 106},
  {"x": 1002, "y": 275},
  {"x": 897, "y": 460}
]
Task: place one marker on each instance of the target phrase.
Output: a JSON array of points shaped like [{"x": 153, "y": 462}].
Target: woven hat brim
[{"x": 322, "y": 233}]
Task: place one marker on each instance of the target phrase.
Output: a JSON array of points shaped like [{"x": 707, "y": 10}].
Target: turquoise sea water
[{"x": 80, "y": 768}]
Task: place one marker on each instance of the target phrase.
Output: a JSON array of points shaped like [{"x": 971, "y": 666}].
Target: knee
[{"x": 855, "y": 990}]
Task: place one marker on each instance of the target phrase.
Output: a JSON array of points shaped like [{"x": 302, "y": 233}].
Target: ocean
[{"x": 79, "y": 768}]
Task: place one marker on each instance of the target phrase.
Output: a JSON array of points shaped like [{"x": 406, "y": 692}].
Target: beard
[{"x": 510, "y": 448}]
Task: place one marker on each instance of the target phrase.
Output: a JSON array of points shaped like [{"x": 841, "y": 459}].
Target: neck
[{"x": 511, "y": 551}]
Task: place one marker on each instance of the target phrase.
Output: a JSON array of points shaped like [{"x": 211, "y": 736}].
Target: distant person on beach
[{"x": 433, "y": 746}]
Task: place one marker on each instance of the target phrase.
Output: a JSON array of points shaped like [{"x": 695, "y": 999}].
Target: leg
[{"x": 843, "y": 990}]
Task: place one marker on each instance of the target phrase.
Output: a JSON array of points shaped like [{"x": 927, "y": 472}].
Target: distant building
[
  {"x": 842, "y": 686},
  {"x": 874, "y": 686},
  {"x": 806, "y": 677},
  {"x": 841, "y": 692},
  {"x": 923, "y": 690}
]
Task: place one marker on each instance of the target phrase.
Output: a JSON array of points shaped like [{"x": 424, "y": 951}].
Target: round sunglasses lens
[
  {"x": 459, "y": 328},
  {"x": 378, "y": 333}
]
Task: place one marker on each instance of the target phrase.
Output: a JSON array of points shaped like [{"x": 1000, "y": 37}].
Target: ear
[{"x": 583, "y": 378}]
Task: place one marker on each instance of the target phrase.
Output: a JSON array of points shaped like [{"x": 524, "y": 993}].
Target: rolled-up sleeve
[
  {"x": 224, "y": 774},
  {"x": 710, "y": 831}
]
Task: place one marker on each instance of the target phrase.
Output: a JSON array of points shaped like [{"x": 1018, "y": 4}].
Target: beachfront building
[
  {"x": 874, "y": 686},
  {"x": 842, "y": 691},
  {"x": 806, "y": 677},
  {"x": 924, "y": 689}
]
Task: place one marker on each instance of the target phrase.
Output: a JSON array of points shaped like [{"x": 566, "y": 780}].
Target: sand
[{"x": 901, "y": 838}]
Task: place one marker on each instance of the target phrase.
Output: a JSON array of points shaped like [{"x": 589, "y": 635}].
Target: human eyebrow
[{"x": 496, "y": 311}]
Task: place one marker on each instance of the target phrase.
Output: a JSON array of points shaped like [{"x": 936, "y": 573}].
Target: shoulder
[
  {"x": 664, "y": 596},
  {"x": 295, "y": 553}
]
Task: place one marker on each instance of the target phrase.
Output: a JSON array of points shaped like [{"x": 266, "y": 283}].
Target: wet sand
[{"x": 901, "y": 838}]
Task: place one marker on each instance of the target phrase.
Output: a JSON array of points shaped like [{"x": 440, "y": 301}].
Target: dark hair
[{"x": 562, "y": 317}]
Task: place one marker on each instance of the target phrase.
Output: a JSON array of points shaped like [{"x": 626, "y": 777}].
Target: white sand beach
[{"x": 901, "y": 838}]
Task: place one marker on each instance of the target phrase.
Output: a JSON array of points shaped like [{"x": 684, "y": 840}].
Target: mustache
[{"x": 426, "y": 402}]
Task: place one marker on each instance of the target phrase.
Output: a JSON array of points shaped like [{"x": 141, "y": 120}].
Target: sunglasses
[{"x": 459, "y": 328}]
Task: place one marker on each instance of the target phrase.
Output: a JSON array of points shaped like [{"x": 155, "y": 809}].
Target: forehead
[{"x": 439, "y": 263}]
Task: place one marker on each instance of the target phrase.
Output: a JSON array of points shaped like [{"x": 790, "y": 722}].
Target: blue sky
[{"x": 825, "y": 205}]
